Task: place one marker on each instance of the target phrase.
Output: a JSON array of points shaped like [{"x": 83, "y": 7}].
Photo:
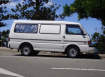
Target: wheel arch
[
  {"x": 24, "y": 43},
  {"x": 71, "y": 45}
]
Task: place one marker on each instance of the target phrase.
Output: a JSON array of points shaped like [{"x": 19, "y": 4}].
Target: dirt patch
[{"x": 7, "y": 52}]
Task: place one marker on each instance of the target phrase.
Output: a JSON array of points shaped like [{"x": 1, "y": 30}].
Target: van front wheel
[
  {"x": 26, "y": 50},
  {"x": 72, "y": 52}
]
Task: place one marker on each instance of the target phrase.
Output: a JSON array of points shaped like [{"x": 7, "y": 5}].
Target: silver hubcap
[
  {"x": 26, "y": 50},
  {"x": 73, "y": 52}
]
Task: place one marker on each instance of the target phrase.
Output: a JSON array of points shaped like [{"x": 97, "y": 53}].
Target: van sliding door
[{"x": 49, "y": 37}]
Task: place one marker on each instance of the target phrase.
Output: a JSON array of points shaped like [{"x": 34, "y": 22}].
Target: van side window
[
  {"x": 50, "y": 29},
  {"x": 26, "y": 28},
  {"x": 73, "y": 29}
]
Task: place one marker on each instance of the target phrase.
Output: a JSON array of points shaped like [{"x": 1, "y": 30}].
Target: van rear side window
[
  {"x": 50, "y": 29},
  {"x": 26, "y": 28}
]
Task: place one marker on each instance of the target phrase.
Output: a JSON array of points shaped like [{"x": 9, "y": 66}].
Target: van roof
[{"x": 44, "y": 22}]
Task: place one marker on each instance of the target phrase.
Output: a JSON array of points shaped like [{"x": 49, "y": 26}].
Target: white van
[{"x": 32, "y": 36}]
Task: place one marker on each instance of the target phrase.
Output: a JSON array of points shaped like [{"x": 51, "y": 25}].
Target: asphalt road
[{"x": 14, "y": 65}]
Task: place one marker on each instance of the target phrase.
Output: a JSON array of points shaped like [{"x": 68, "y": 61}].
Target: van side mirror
[{"x": 84, "y": 33}]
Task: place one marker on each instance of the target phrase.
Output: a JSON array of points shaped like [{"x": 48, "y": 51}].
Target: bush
[
  {"x": 0, "y": 43},
  {"x": 100, "y": 45}
]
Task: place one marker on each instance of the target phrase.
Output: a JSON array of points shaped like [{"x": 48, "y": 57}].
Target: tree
[
  {"x": 87, "y": 8},
  {"x": 29, "y": 9},
  {"x": 35, "y": 10},
  {"x": 100, "y": 42},
  {"x": 3, "y": 1},
  {"x": 2, "y": 11},
  {"x": 96, "y": 36},
  {"x": 1, "y": 16},
  {"x": 1, "y": 24},
  {"x": 4, "y": 37}
]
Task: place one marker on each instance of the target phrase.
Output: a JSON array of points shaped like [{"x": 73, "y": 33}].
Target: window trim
[
  {"x": 73, "y": 25},
  {"x": 24, "y": 24},
  {"x": 51, "y": 24}
]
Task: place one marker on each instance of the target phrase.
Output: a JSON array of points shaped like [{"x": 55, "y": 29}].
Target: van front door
[{"x": 74, "y": 35}]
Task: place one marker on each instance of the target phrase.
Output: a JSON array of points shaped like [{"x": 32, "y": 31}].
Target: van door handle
[{"x": 63, "y": 37}]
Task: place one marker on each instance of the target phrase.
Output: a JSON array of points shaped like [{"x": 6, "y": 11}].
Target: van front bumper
[{"x": 90, "y": 50}]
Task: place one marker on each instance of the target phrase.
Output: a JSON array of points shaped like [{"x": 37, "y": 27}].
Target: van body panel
[{"x": 50, "y": 35}]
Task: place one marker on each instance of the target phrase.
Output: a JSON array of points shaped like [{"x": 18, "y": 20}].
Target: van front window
[{"x": 73, "y": 29}]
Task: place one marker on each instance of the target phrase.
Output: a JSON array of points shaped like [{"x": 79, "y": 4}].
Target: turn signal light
[{"x": 89, "y": 42}]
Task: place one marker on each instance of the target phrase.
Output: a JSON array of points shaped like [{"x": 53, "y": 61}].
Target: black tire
[
  {"x": 72, "y": 52},
  {"x": 26, "y": 50}
]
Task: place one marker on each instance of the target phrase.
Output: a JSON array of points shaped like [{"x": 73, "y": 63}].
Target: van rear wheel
[
  {"x": 26, "y": 50},
  {"x": 72, "y": 52}
]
